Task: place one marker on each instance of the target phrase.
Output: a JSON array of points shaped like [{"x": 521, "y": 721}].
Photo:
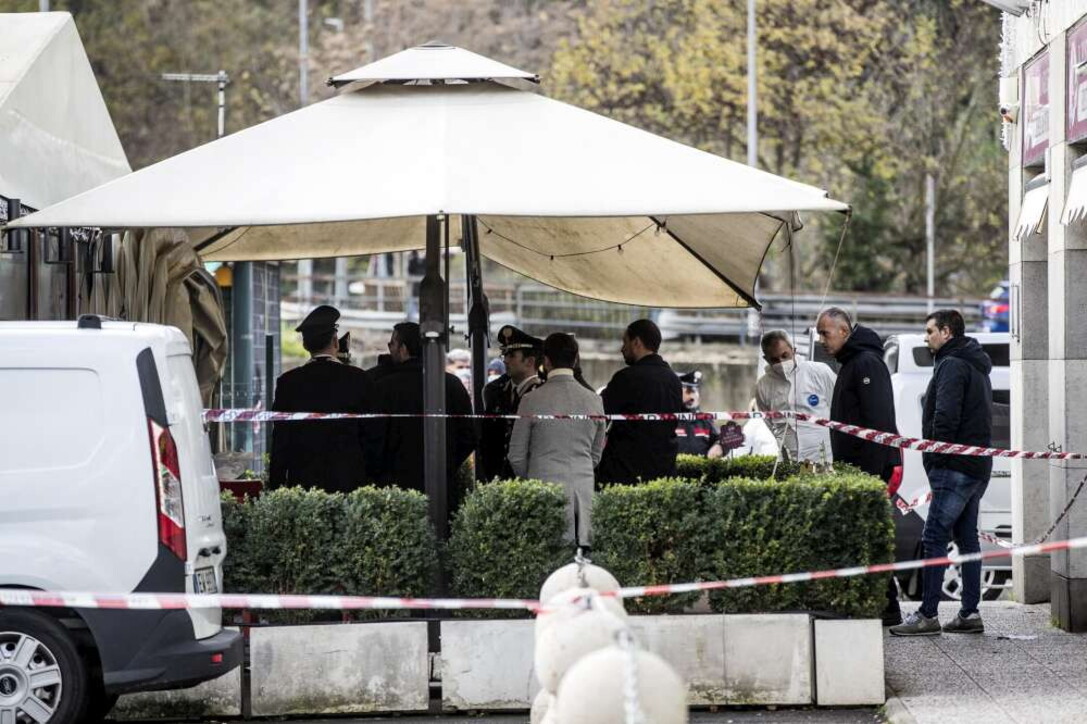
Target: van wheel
[{"x": 42, "y": 677}]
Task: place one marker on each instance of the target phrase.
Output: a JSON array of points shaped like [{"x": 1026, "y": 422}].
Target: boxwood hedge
[
  {"x": 507, "y": 538},
  {"x": 374, "y": 541},
  {"x": 509, "y": 535}
]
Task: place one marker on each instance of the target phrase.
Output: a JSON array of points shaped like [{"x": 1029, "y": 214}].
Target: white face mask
[{"x": 783, "y": 368}]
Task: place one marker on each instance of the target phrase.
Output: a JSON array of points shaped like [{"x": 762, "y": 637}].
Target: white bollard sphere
[
  {"x": 565, "y": 578},
  {"x": 593, "y": 690},
  {"x": 541, "y": 706},
  {"x": 550, "y": 717},
  {"x": 568, "y": 633},
  {"x": 567, "y": 605}
]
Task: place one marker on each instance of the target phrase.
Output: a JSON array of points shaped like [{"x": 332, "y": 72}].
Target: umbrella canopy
[
  {"x": 56, "y": 136},
  {"x": 571, "y": 198}
]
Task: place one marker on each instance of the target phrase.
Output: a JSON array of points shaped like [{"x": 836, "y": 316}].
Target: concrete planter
[
  {"x": 757, "y": 659},
  {"x": 335, "y": 669},
  {"x": 849, "y": 663},
  {"x": 488, "y": 665}
]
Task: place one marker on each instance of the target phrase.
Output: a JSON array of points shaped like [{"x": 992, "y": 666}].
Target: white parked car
[
  {"x": 911, "y": 365},
  {"x": 106, "y": 485}
]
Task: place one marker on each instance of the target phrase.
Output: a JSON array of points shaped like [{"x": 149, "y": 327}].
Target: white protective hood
[
  {"x": 56, "y": 135},
  {"x": 568, "y": 197}
]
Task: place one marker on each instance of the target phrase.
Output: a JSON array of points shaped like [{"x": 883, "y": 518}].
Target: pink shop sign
[{"x": 1036, "y": 110}]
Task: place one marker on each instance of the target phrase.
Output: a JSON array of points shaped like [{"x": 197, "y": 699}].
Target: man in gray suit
[{"x": 561, "y": 451}]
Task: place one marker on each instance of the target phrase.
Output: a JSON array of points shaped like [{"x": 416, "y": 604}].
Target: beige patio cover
[{"x": 571, "y": 198}]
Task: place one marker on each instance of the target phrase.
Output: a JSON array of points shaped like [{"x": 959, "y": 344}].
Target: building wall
[{"x": 1049, "y": 339}]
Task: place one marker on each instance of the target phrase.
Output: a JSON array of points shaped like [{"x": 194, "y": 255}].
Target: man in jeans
[{"x": 957, "y": 408}]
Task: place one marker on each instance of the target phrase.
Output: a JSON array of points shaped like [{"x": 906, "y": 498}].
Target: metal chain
[
  {"x": 582, "y": 562},
  {"x": 631, "y": 703},
  {"x": 1059, "y": 518},
  {"x": 632, "y": 707}
]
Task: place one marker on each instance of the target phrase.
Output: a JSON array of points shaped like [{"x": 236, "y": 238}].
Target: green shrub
[
  {"x": 805, "y": 523},
  {"x": 655, "y": 532},
  {"x": 239, "y": 575},
  {"x": 375, "y": 541},
  {"x": 507, "y": 537},
  {"x": 387, "y": 546},
  {"x": 294, "y": 547},
  {"x": 714, "y": 470}
]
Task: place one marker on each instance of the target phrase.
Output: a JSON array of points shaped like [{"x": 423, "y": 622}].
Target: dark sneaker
[
  {"x": 965, "y": 624},
  {"x": 917, "y": 624},
  {"x": 892, "y": 618}
]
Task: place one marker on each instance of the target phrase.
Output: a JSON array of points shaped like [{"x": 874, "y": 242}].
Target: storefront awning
[
  {"x": 1033, "y": 212},
  {"x": 1075, "y": 207}
]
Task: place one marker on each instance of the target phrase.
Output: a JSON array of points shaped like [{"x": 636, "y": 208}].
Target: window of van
[
  {"x": 890, "y": 356},
  {"x": 51, "y": 418},
  {"x": 998, "y": 353}
]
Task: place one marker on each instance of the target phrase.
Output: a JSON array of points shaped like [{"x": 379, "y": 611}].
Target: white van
[
  {"x": 911, "y": 365},
  {"x": 106, "y": 485}
]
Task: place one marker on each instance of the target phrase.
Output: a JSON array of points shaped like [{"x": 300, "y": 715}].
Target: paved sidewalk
[{"x": 1021, "y": 669}]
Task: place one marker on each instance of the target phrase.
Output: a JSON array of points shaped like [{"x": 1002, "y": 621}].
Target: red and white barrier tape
[
  {"x": 881, "y": 438},
  {"x": 676, "y": 588},
  {"x": 155, "y": 601},
  {"x": 271, "y": 602}
]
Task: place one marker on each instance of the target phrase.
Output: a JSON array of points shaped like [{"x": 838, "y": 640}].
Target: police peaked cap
[
  {"x": 690, "y": 379},
  {"x": 320, "y": 320},
  {"x": 511, "y": 338}
]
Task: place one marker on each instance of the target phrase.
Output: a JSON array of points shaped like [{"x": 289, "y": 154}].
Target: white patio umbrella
[
  {"x": 568, "y": 197},
  {"x": 565, "y": 196}
]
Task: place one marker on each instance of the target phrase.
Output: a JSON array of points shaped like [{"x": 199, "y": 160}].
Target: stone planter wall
[{"x": 764, "y": 659}]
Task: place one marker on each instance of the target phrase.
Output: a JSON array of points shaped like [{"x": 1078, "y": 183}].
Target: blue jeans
[{"x": 953, "y": 515}]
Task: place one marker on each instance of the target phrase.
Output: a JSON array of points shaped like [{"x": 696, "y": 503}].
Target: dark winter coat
[
  {"x": 958, "y": 406},
  {"x": 500, "y": 397},
  {"x": 323, "y": 454},
  {"x": 863, "y": 396},
  {"x": 641, "y": 450},
  {"x": 695, "y": 437},
  {"x": 397, "y": 453}
]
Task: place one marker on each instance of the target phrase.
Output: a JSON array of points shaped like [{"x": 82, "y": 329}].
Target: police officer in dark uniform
[
  {"x": 696, "y": 437},
  {"x": 327, "y": 454},
  {"x": 522, "y": 354}
]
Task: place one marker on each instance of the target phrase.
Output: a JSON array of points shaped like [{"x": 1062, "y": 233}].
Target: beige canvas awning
[{"x": 571, "y": 198}]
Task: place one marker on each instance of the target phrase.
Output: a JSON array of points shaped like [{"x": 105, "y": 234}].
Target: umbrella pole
[
  {"x": 433, "y": 298},
  {"x": 478, "y": 319}
]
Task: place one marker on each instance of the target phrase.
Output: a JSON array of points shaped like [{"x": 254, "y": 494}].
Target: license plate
[{"x": 204, "y": 581}]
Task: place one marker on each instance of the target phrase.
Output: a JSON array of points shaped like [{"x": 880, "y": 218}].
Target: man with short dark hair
[
  {"x": 641, "y": 450},
  {"x": 398, "y": 451},
  {"x": 863, "y": 396},
  {"x": 958, "y": 409},
  {"x": 327, "y": 454},
  {"x": 561, "y": 451},
  {"x": 522, "y": 354}
]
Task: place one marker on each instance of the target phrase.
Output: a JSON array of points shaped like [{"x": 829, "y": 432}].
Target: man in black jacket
[
  {"x": 958, "y": 409},
  {"x": 327, "y": 454},
  {"x": 397, "y": 453},
  {"x": 641, "y": 450},
  {"x": 863, "y": 397}
]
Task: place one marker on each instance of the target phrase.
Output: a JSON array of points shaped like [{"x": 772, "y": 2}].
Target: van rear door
[{"x": 200, "y": 485}]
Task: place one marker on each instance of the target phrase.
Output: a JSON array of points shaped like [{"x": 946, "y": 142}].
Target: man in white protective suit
[{"x": 795, "y": 385}]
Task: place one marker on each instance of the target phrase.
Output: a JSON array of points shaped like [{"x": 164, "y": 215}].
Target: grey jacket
[{"x": 558, "y": 451}]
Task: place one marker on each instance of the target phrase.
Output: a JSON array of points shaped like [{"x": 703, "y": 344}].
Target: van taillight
[{"x": 167, "y": 471}]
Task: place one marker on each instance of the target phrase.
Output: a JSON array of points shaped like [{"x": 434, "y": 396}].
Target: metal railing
[{"x": 376, "y": 303}]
